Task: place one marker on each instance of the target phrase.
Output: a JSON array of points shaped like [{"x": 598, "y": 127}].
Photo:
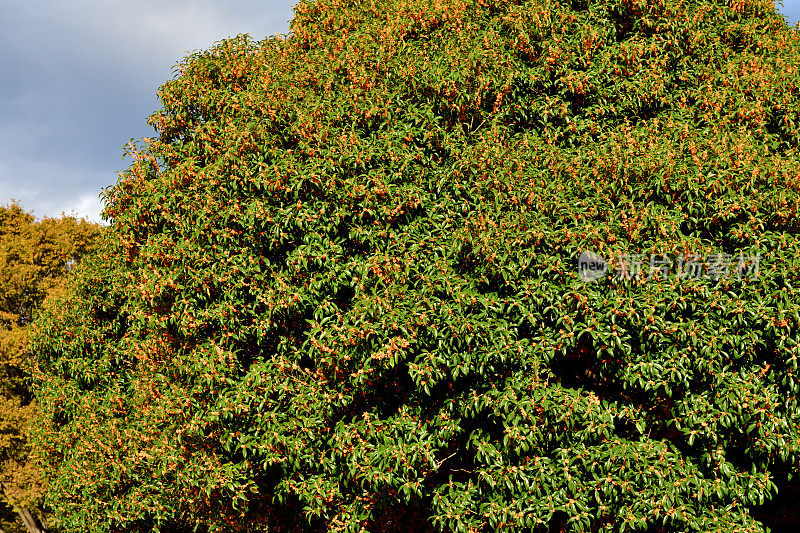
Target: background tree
[
  {"x": 35, "y": 256},
  {"x": 340, "y": 292}
]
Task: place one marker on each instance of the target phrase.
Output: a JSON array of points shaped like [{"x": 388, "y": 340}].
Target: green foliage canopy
[{"x": 339, "y": 292}]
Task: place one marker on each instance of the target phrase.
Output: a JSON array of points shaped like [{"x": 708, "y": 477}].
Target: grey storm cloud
[{"x": 79, "y": 77}]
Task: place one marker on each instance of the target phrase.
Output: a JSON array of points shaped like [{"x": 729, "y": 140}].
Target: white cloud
[
  {"x": 52, "y": 188},
  {"x": 88, "y": 207}
]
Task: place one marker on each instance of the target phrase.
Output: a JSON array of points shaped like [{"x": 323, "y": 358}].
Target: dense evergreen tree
[
  {"x": 35, "y": 256},
  {"x": 340, "y": 291}
]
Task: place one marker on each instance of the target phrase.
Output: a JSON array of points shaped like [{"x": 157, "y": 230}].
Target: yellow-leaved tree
[{"x": 35, "y": 257}]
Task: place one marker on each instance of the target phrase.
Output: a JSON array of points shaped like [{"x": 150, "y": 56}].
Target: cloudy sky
[{"x": 79, "y": 77}]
